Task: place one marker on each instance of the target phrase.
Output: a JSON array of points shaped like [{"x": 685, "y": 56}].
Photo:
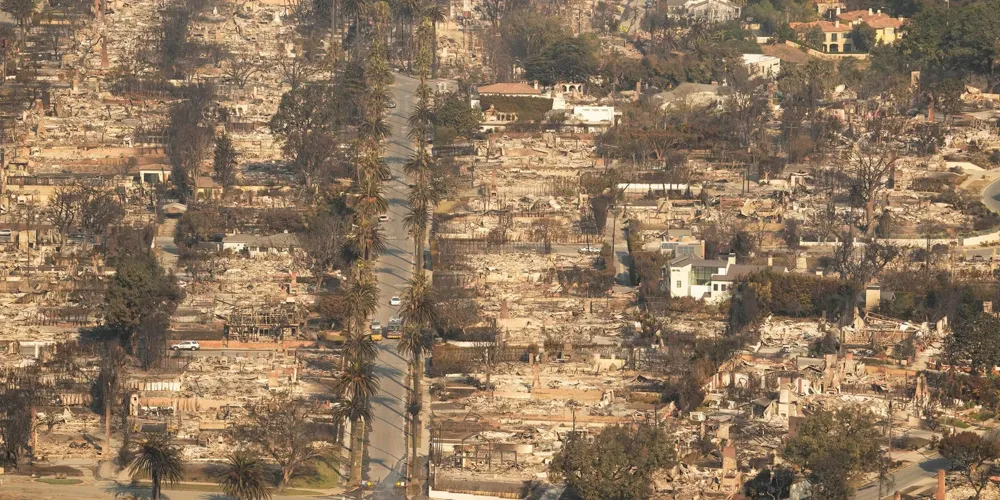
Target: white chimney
[
  {"x": 535, "y": 84},
  {"x": 836, "y": 23},
  {"x": 880, "y": 12},
  {"x": 838, "y": 11}
]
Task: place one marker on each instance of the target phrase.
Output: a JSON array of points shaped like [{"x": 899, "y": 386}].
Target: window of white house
[
  {"x": 678, "y": 284},
  {"x": 702, "y": 275}
]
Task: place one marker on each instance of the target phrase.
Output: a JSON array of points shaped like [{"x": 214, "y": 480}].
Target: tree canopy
[
  {"x": 138, "y": 295},
  {"x": 835, "y": 447},
  {"x": 618, "y": 464}
]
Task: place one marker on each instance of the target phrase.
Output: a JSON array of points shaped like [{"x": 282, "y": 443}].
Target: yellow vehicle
[{"x": 376, "y": 332}]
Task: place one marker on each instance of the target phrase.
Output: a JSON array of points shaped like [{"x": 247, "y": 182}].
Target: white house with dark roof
[{"x": 710, "y": 280}]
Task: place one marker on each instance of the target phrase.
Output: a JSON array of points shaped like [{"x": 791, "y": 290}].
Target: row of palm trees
[
  {"x": 242, "y": 476},
  {"x": 418, "y": 308},
  {"x": 406, "y": 16},
  {"x": 357, "y": 384}
]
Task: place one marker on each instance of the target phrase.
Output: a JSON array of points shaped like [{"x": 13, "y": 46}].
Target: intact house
[
  {"x": 154, "y": 174},
  {"x": 762, "y": 65},
  {"x": 506, "y": 103},
  {"x": 710, "y": 280},
  {"x": 837, "y": 33},
  {"x": 591, "y": 119},
  {"x": 256, "y": 245},
  {"x": 206, "y": 189},
  {"x": 887, "y": 28},
  {"x": 715, "y": 11},
  {"x": 503, "y": 103}
]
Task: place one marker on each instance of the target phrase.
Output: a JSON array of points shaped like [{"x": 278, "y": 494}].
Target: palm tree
[
  {"x": 157, "y": 458},
  {"x": 243, "y": 477},
  {"x": 359, "y": 346},
  {"x": 113, "y": 371},
  {"x": 358, "y": 412},
  {"x": 413, "y": 408},
  {"x": 418, "y": 307},
  {"x": 375, "y": 128},
  {"x": 357, "y": 381},
  {"x": 420, "y": 120},
  {"x": 415, "y": 222},
  {"x": 407, "y": 11},
  {"x": 413, "y": 344},
  {"x": 371, "y": 202},
  {"x": 435, "y": 14},
  {"x": 418, "y": 310},
  {"x": 367, "y": 240},
  {"x": 360, "y": 302}
]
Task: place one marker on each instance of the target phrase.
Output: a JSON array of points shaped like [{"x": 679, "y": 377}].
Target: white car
[
  {"x": 383, "y": 218},
  {"x": 394, "y": 301},
  {"x": 187, "y": 345},
  {"x": 590, "y": 250}
]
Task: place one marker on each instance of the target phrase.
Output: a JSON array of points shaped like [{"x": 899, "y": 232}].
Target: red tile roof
[
  {"x": 826, "y": 26},
  {"x": 878, "y": 20},
  {"x": 509, "y": 88}
]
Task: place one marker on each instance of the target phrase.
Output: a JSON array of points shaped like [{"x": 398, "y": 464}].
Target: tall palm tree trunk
[
  {"x": 434, "y": 61},
  {"x": 357, "y": 453},
  {"x": 418, "y": 254},
  {"x": 414, "y": 435},
  {"x": 107, "y": 428},
  {"x": 155, "y": 477}
]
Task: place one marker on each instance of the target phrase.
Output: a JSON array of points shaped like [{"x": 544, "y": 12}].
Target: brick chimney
[{"x": 728, "y": 460}]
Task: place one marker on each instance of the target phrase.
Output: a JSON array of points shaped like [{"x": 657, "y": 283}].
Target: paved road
[
  {"x": 26, "y": 489},
  {"x": 387, "y": 444},
  {"x": 920, "y": 473},
  {"x": 991, "y": 196}
]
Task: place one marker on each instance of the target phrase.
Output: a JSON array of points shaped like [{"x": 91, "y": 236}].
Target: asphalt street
[
  {"x": 991, "y": 196},
  {"x": 387, "y": 444},
  {"x": 920, "y": 473}
]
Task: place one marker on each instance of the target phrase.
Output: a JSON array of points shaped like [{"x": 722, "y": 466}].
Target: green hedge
[
  {"x": 527, "y": 108},
  {"x": 783, "y": 294}
]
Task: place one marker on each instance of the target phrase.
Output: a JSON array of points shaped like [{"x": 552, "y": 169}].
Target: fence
[
  {"x": 452, "y": 280},
  {"x": 144, "y": 89},
  {"x": 241, "y": 127}
]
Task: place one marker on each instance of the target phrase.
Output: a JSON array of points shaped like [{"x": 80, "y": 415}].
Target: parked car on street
[{"x": 187, "y": 345}]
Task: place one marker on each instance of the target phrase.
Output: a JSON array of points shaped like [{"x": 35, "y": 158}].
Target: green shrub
[{"x": 527, "y": 108}]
